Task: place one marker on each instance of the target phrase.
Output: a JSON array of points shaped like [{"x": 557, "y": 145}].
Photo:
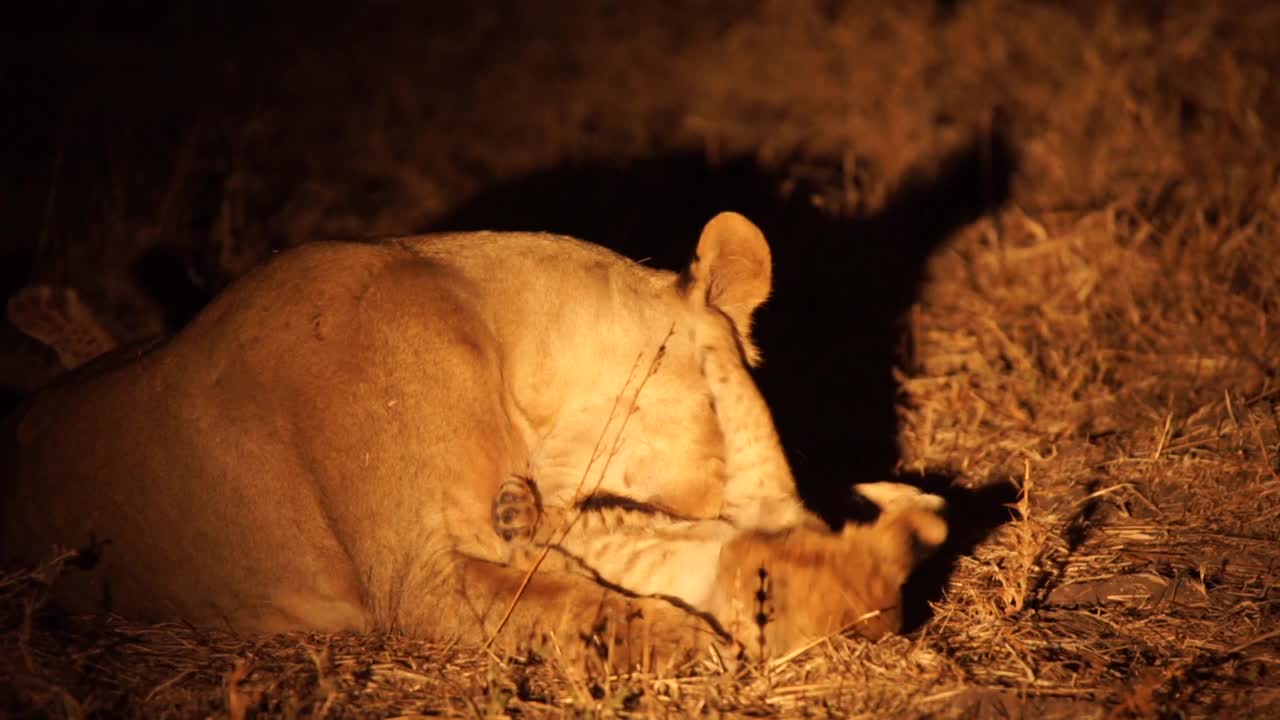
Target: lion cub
[{"x": 770, "y": 589}]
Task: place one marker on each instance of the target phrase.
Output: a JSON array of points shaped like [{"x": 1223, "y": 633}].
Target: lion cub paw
[
  {"x": 58, "y": 318},
  {"x": 517, "y": 509},
  {"x": 893, "y": 496}
]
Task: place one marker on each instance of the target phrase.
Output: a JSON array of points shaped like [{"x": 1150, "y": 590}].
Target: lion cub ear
[{"x": 732, "y": 270}]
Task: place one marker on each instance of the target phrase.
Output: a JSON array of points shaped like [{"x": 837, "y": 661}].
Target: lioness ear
[{"x": 733, "y": 271}]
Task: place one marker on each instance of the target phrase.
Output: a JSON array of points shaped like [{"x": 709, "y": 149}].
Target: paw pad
[{"x": 517, "y": 507}]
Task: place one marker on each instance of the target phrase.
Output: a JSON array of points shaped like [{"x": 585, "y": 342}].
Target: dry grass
[{"x": 1108, "y": 341}]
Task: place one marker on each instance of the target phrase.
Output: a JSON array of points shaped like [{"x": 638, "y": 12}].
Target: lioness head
[{"x": 661, "y": 432}]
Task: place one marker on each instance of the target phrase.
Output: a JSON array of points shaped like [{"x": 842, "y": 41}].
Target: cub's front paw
[
  {"x": 57, "y": 317},
  {"x": 517, "y": 509}
]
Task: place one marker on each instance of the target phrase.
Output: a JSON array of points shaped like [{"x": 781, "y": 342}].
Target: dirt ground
[{"x": 1027, "y": 256}]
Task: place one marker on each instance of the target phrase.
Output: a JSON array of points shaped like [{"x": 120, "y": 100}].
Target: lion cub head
[{"x": 779, "y": 591}]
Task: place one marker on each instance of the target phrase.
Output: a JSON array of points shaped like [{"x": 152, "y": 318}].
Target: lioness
[{"x": 319, "y": 449}]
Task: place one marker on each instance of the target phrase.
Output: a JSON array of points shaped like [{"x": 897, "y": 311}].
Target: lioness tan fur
[{"x": 320, "y": 448}]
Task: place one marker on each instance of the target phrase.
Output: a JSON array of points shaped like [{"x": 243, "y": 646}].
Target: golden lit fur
[{"x": 320, "y": 448}]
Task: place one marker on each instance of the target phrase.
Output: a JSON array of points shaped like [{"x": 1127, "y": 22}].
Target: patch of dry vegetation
[{"x": 1108, "y": 342}]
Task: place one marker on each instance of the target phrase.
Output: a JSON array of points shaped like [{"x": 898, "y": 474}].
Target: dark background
[{"x": 156, "y": 152}]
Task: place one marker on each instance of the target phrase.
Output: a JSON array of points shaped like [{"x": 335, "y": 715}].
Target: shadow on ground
[
  {"x": 832, "y": 331},
  {"x": 974, "y": 514}
]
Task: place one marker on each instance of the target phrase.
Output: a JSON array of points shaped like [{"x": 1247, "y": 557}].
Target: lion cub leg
[
  {"x": 629, "y": 545},
  {"x": 58, "y": 318},
  {"x": 774, "y": 591},
  {"x": 891, "y": 496}
]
